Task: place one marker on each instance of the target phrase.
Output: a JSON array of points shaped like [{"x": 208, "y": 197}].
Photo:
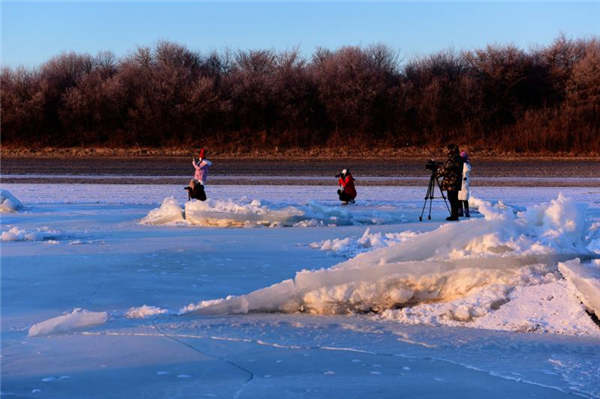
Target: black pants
[
  {"x": 344, "y": 197},
  {"x": 197, "y": 192},
  {"x": 454, "y": 203}
]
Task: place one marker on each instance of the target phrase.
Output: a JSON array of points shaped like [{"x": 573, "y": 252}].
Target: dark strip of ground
[{"x": 296, "y": 168}]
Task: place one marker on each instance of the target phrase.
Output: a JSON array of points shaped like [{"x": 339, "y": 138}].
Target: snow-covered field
[{"x": 277, "y": 291}]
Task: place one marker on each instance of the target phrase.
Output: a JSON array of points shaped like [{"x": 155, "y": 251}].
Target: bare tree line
[{"x": 541, "y": 100}]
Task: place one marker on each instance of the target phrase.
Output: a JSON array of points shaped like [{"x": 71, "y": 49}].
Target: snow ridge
[
  {"x": 454, "y": 275},
  {"x": 243, "y": 213},
  {"x": 78, "y": 318}
]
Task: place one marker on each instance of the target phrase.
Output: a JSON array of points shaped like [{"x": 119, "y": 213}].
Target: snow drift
[
  {"x": 484, "y": 260},
  {"x": 8, "y": 202},
  {"x": 78, "y": 318},
  {"x": 230, "y": 213}
]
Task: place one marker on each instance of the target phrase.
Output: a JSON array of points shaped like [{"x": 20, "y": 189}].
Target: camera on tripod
[{"x": 433, "y": 165}]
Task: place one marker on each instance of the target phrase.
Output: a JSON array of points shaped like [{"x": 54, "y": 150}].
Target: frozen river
[{"x": 109, "y": 291}]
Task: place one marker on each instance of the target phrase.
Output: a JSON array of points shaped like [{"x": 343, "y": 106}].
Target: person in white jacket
[{"x": 465, "y": 188}]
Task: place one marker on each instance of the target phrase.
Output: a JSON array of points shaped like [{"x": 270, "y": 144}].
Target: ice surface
[
  {"x": 8, "y": 202},
  {"x": 246, "y": 213},
  {"x": 473, "y": 266},
  {"x": 585, "y": 279},
  {"x": 125, "y": 264},
  {"x": 78, "y": 318}
]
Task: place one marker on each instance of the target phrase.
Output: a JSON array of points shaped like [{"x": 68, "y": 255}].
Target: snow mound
[
  {"x": 78, "y": 318},
  {"x": 230, "y": 213},
  {"x": 543, "y": 306},
  {"x": 169, "y": 213},
  {"x": 585, "y": 280},
  {"x": 143, "y": 312},
  {"x": 39, "y": 234},
  {"x": 8, "y": 202},
  {"x": 233, "y": 214},
  {"x": 474, "y": 267},
  {"x": 350, "y": 247}
]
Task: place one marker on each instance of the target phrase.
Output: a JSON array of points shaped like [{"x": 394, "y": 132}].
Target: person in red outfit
[{"x": 347, "y": 191}]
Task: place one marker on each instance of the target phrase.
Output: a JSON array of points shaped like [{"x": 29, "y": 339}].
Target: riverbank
[{"x": 279, "y": 154}]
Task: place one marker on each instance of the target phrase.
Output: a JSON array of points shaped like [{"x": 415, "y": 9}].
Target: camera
[
  {"x": 338, "y": 175},
  {"x": 433, "y": 165}
]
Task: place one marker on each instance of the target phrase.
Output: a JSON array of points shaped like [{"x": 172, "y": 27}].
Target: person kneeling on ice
[
  {"x": 196, "y": 186},
  {"x": 465, "y": 189},
  {"x": 347, "y": 191}
]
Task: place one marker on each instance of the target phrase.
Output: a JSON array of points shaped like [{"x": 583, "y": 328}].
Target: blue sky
[{"x": 34, "y": 31}]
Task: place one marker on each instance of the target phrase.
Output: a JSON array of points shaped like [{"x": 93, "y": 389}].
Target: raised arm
[{"x": 194, "y": 164}]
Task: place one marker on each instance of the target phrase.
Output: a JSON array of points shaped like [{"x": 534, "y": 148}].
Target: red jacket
[{"x": 348, "y": 185}]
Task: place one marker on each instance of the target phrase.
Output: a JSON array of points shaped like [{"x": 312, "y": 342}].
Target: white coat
[
  {"x": 465, "y": 188},
  {"x": 201, "y": 170}
]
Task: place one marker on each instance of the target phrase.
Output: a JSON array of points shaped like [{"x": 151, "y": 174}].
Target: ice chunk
[
  {"x": 368, "y": 241},
  {"x": 78, "y": 318},
  {"x": 169, "y": 213},
  {"x": 585, "y": 279},
  {"x": 8, "y": 202},
  {"x": 40, "y": 234},
  {"x": 595, "y": 245},
  {"x": 594, "y": 237},
  {"x": 562, "y": 220},
  {"x": 144, "y": 311},
  {"x": 334, "y": 245}
]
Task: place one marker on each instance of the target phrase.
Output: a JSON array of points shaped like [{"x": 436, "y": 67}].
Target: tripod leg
[
  {"x": 424, "y": 205},
  {"x": 428, "y": 196},
  {"x": 430, "y": 203}
]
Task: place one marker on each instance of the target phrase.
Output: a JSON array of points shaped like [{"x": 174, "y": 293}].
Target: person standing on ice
[
  {"x": 196, "y": 186},
  {"x": 347, "y": 191},
  {"x": 465, "y": 189},
  {"x": 452, "y": 174}
]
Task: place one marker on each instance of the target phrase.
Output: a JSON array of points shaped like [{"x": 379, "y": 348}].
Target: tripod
[{"x": 433, "y": 180}]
